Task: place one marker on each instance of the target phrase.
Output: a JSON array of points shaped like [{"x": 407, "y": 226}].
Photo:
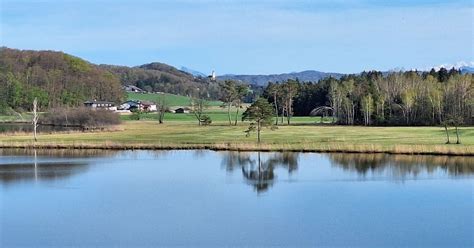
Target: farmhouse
[
  {"x": 141, "y": 105},
  {"x": 148, "y": 106},
  {"x": 181, "y": 111},
  {"x": 94, "y": 104}
]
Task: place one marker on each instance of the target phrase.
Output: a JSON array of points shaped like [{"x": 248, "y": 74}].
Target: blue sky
[{"x": 251, "y": 37}]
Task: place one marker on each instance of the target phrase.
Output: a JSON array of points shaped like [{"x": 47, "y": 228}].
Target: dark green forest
[{"x": 376, "y": 98}]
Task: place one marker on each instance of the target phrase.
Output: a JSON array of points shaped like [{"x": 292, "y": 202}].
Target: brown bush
[{"x": 83, "y": 117}]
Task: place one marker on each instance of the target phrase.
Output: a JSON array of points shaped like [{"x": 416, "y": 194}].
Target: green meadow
[
  {"x": 301, "y": 136},
  {"x": 181, "y": 131},
  {"x": 170, "y": 99}
]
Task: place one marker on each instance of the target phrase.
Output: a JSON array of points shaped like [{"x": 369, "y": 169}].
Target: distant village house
[
  {"x": 141, "y": 105},
  {"x": 182, "y": 111},
  {"x": 94, "y": 104},
  {"x": 132, "y": 88}
]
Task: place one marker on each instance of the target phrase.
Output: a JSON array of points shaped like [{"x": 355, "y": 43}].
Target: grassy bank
[{"x": 188, "y": 135}]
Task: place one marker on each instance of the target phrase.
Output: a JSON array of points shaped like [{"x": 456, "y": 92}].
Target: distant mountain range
[
  {"x": 192, "y": 72},
  {"x": 467, "y": 69},
  {"x": 262, "y": 80},
  {"x": 304, "y": 76}
]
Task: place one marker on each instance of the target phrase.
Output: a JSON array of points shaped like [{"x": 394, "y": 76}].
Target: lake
[{"x": 213, "y": 199}]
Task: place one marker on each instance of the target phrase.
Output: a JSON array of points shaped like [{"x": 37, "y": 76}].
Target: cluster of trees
[
  {"x": 282, "y": 96},
  {"x": 54, "y": 78},
  {"x": 233, "y": 94},
  {"x": 375, "y": 98}
]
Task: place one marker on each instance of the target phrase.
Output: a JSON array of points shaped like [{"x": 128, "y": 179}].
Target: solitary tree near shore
[
  {"x": 162, "y": 106},
  {"x": 261, "y": 114},
  {"x": 35, "y": 118},
  {"x": 197, "y": 108},
  {"x": 241, "y": 91}
]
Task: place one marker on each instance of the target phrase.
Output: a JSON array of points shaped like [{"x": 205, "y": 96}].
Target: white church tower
[{"x": 213, "y": 76}]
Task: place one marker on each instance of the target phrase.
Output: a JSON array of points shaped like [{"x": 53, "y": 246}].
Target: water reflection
[
  {"x": 165, "y": 195},
  {"x": 23, "y": 165},
  {"x": 402, "y": 166},
  {"x": 39, "y": 171},
  {"x": 257, "y": 171}
]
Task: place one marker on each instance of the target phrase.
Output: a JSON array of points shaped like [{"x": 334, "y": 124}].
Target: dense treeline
[
  {"x": 56, "y": 79},
  {"x": 372, "y": 98}
]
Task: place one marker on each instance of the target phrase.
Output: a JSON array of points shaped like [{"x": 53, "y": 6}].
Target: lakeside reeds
[{"x": 452, "y": 150}]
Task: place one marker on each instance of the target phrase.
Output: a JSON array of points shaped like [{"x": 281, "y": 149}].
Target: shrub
[
  {"x": 83, "y": 117},
  {"x": 206, "y": 120}
]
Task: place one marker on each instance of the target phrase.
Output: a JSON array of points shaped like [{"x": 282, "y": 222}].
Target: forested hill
[
  {"x": 59, "y": 79},
  {"x": 55, "y": 78},
  {"x": 159, "y": 77},
  {"x": 262, "y": 80}
]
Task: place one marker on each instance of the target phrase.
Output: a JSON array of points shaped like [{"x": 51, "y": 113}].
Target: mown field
[
  {"x": 181, "y": 131},
  {"x": 299, "y": 137},
  {"x": 218, "y": 115},
  {"x": 170, "y": 99}
]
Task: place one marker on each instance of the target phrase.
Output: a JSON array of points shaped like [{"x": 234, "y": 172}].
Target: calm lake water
[{"x": 206, "y": 198}]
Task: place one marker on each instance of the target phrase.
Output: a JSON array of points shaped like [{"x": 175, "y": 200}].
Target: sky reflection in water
[{"x": 156, "y": 198}]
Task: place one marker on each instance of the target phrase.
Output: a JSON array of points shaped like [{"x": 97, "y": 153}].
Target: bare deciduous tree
[{"x": 35, "y": 118}]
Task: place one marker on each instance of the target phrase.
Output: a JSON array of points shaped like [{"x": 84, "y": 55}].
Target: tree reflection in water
[
  {"x": 258, "y": 169},
  {"x": 43, "y": 164},
  {"x": 39, "y": 171},
  {"x": 259, "y": 172},
  {"x": 402, "y": 166}
]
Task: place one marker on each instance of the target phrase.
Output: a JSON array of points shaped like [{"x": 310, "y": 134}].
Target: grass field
[
  {"x": 188, "y": 135},
  {"x": 171, "y": 100},
  {"x": 218, "y": 115}
]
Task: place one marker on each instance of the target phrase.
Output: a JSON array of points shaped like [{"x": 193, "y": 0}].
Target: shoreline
[{"x": 451, "y": 150}]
